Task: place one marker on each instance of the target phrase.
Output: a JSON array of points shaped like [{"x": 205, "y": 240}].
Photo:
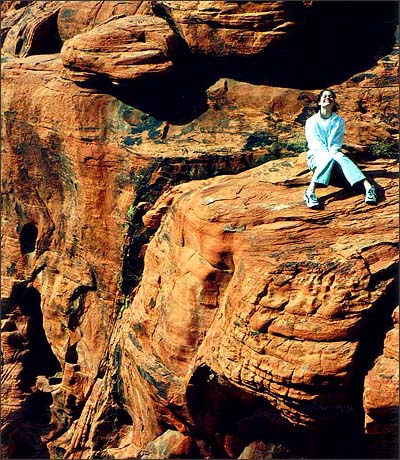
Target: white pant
[{"x": 321, "y": 163}]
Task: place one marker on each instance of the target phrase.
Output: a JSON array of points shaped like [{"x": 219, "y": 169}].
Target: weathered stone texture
[
  {"x": 223, "y": 253},
  {"x": 76, "y": 18},
  {"x": 232, "y": 28},
  {"x": 123, "y": 49},
  {"x": 381, "y": 393},
  {"x": 32, "y": 29}
]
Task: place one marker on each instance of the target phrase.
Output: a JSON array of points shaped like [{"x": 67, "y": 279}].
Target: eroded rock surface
[
  {"x": 77, "y": 18},
  {"x": 232, "y": 28},
  {"x": 30, "y": 28},
  {"x": 123, "y": 49},
  {"x": 244, "y": 331},
  {"x": 381, "y": 393},
  {"x": 282, "y": 309}
]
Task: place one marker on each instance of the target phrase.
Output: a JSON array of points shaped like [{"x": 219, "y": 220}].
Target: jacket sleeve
[
  {"x": 315, "y": 141},
  {"x": 336, "y": 136}
]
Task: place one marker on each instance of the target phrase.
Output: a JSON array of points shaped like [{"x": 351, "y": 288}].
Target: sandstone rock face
[
  {"x": 77, "y": 18},
  {"x": 130, "y": 48},
  {"x": 43, "y": 249},
  {"x": 232, "y": 28},
  {"x": 31, "y": 28},
  {"x": 283, "y": 325},
  {"x": 382, "y": 408},
  {"x": 150, "y": 309}
]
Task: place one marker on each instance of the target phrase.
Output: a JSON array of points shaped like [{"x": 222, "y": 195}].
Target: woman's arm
[
  {"x": 336, "y": 136},
  {"x": 315, "y": 140}
]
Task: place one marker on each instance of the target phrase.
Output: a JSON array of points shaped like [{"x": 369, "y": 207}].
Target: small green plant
[
  {"x": 12, "y": 269},
  {"x": 124, "y": 306},
  {"x": 295, "y": 145},
  {"x": 385, "y": 148},
  {"x": 274, "y": 147},
  {"x": 258, "y": 139},
  {"x": 131, "y": 212},
  {"x": 275, "y": 150}
]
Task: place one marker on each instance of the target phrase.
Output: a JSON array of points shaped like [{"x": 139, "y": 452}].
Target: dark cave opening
[
  {"x": 23, "y": 436},
  {"x": 27, "y": 238},
  {"x": 336, "y": 41},
  {"x": 228, "y": 419},
  {"x": 177, "y": 97},
  {"x": 46, "y": 39},
  {"x": 41, "y": 360},
  {"x": 71, "y": 355},
  {"x": 221, "y": 411}
]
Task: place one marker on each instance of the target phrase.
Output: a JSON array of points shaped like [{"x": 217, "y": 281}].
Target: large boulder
[{"x": 126, "y": 48}]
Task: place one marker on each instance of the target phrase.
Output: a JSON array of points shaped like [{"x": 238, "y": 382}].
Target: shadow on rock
[
  {"x": 337, "y": 41},
  {"x": 178, "y": 97}
]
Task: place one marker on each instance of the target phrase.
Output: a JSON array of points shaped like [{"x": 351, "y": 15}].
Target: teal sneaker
[
  {"x": 370, "y": 195},
  {"x": 310, "y": 199}
]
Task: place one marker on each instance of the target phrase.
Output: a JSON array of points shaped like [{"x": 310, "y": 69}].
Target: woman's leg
[
  {"x": 323, "y": 170},
  {"x": 353, "y": 174},
  {"x": 321, "y": 164},
  {"x": 350, "y": 170}
]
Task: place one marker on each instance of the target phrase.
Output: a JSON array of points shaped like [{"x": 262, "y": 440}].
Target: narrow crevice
[
  {"x": 373, "y": 336},
  {"x": 77, "y": 303},
  {"x": 380, "y": 320},
  {"x": 27, "y": 238},
  {"x": 169, "y": 172},
  {"x": 23, "y": 437}
]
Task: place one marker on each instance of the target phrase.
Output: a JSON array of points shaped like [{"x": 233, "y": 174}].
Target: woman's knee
[{"x": 340, "y": 156}]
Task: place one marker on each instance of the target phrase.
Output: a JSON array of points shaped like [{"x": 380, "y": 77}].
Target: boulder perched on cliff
[{"x": 131, "y": 48}]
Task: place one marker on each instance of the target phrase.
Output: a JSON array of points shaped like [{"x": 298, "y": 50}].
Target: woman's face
[{"x": 327, "y": 100}]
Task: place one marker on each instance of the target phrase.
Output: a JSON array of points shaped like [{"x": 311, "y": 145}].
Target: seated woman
[{"x": 325, "y": 133}]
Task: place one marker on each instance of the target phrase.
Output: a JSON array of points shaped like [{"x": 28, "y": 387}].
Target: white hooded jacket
[{"x": 324, "y": 135}]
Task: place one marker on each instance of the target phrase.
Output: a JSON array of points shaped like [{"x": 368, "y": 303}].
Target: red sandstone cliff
[{"x": 153, "y": 310}]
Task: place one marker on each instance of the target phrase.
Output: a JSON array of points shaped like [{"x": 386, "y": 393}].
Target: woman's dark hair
[{"x": 335, "y": 107}]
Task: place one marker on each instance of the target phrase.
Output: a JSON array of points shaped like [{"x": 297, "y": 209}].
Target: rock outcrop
[
  {"x": 151, "y": 309},
  {"x": 75, "y": 18},
  {"x": 232, "y": 28},
  {"x": 262, "y": 314},
  {"x": 130, "y": 48},
  {"x": 30, "y": 28},
  {"x": 381, "y": 395}
]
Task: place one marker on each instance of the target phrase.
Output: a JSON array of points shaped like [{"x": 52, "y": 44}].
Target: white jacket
[{"x": 324, "y": 136}]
